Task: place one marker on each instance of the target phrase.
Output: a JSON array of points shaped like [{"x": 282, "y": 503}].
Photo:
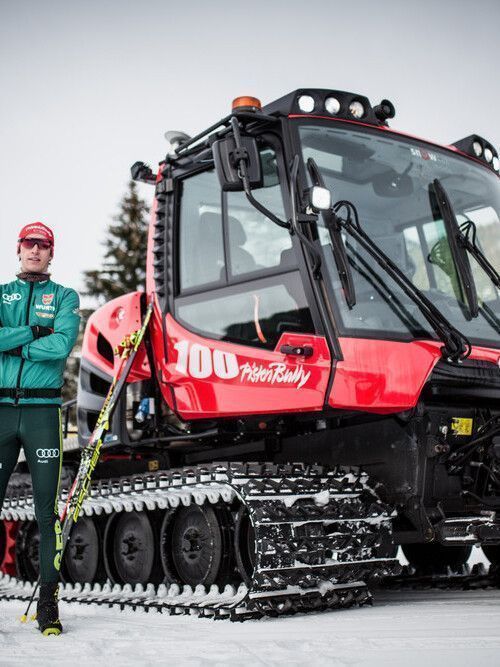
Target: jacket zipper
[{"x": 27, "y": 321}]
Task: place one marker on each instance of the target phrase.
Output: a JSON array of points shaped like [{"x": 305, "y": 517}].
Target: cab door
[{"x": 240, "y": 339}]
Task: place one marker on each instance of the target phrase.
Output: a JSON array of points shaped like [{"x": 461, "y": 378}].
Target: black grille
[
  {"x": 472, "y": 379},
  {"x": 470, "y": 373}
]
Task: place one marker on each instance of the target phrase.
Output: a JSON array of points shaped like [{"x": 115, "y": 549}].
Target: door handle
[{"x": 297, "y": 351}]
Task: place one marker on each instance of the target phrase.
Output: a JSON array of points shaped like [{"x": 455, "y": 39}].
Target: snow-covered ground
[{"x": 404, "y": 629}]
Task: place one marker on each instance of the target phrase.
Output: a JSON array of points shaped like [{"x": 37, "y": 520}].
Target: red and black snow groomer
[{"x": 321, "y": 379}]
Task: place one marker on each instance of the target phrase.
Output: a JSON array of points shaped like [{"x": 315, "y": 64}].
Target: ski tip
[{"x": 33, "y": 617}]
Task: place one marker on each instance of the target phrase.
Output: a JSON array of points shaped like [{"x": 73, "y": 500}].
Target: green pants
[{"x": 38, "y": 429}]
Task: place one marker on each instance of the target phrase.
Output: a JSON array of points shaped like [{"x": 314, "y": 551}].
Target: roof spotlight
[
  {"x": 488, "y": 154},
  {"x": 496, "y": 163},
  {"x": 384, "y": 110},
  {"x": 477, "y": 148},
  {"x": 332, "y": 105},
  {"x": 306, "y": 103},
  {"x": 357, "y": 109}
]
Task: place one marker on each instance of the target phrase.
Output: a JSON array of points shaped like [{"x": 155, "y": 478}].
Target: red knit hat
[{"x": 36, "y": 229}]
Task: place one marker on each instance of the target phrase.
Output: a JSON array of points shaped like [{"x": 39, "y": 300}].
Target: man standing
[{"x": 39, "y": 324}]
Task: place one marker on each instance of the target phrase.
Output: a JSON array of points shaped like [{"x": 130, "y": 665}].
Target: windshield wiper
[
  {"x": 457, "y": 249},
  {"x": 338, "y": 247},
  {"x": 456, "y": 345},
  {"x": 468, "y": 233}
]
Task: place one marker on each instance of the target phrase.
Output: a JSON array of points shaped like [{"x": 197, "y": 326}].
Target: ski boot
[{"x": 47, "y": 612}]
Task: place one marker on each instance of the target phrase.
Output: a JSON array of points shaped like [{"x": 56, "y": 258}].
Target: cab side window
[
  {"x": 201, "y": 246},
  {"x": 255, "y": 242},
  {"x": 238, "y": 275}
]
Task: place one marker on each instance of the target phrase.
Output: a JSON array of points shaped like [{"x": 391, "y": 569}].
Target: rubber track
[{"x": 317, "y": 533}]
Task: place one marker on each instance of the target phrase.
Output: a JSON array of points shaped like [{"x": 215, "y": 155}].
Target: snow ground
[{"x": 404, "y": 629}]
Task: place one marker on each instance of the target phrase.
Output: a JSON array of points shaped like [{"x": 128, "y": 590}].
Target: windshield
[{"x": 390, "y": 182}]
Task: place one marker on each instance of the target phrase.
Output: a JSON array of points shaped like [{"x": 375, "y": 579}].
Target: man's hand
[
  {"x": 15, "y": 352},
  {"x": 41, "y": 332}
]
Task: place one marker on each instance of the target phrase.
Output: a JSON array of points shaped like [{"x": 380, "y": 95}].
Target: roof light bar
[
  {"x": 481, "y": 149},
  {"x": 338, "y": 103}
]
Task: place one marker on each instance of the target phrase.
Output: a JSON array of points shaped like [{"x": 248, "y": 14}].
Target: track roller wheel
[
  {"x": 82, "y": 562},
  {"x": 492, "y": 553},
  {"x": 129, "y": 548},
  {"x": 196, "y": 545},
  {"x": 244, "y": 545},
  {"x": 27, "y": 551},
  {"x": 434, "y": 558}
]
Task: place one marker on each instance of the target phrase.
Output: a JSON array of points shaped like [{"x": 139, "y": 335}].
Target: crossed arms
[{"x": 56, "y": 345}]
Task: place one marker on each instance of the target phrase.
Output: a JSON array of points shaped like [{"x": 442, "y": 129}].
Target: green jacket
[{"x": 42, "y": 361}]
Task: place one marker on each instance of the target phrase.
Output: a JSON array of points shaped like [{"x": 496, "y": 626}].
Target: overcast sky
[{"x": 87, "y": 88}]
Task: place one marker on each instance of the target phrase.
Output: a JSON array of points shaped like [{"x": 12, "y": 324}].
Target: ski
[{"x": 90, "y": 454}]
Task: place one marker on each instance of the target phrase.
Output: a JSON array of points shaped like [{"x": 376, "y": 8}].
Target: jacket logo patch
[
  {"x": 9, "y": 298},
  {"x": 47, "y": 299},
  {"x": 51, "y": 315}
]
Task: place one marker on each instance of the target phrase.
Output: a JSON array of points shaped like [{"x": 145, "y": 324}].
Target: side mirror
[
  {"x": 143, "y": 173},
  {"x": 226, "y": 159}
]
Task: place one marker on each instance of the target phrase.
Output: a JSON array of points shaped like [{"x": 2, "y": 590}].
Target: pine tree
[{"x": 124, "y": 266}]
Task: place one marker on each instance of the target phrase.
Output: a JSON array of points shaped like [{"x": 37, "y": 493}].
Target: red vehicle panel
[
  {"x": 212, "y": 378},
  {"x": 386, "y": 376},
  {"x": 113, "y": 321}
]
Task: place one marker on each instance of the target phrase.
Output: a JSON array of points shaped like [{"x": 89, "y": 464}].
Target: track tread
[{"x": 317, "y": 531}]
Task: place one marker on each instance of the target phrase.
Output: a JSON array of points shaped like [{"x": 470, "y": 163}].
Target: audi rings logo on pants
[{"x": 47, "y": 453}]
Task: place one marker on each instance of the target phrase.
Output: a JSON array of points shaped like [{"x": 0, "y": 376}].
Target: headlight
[
  {"x": 321, "y": 199},
  {"x": 496, "y": 163},
  {"x": 357, "y": 109},
  {"x": 477, "y": 148},
  {"x": 332, "y": 105},
  {"x": 306, "y": 103}
]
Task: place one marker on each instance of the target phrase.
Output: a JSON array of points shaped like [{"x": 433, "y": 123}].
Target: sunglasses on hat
[{"x": 29, "y": 244}]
